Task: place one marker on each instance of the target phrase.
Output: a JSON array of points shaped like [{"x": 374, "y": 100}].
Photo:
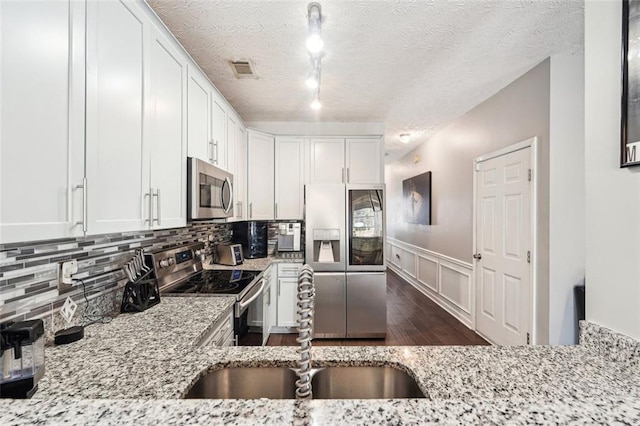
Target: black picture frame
[
  {"x": 416, "y": 195},
  {"x": 630, "y": 117}
]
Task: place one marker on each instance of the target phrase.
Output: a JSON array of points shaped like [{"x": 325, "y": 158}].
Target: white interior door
[{"x": 503, "y": 247}]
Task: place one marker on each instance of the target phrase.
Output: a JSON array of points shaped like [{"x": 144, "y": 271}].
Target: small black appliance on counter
[
  {"x": 21, "y": 358},
  {"x": 254, "y": 237}
]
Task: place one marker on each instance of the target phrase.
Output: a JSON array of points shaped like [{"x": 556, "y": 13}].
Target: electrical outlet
[{"x": 68, "y": 269}]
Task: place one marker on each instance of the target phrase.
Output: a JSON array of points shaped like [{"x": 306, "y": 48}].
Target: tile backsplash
[{"x": 29, "y": 285}]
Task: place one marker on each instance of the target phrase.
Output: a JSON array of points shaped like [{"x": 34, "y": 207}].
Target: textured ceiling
[{"x": 414, "y": 65}]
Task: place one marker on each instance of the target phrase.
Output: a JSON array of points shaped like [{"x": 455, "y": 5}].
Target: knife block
[{"x": 140, "y": 295}]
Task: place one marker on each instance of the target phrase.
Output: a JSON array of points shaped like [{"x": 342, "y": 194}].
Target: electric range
[{"x": 179, "y": 271}]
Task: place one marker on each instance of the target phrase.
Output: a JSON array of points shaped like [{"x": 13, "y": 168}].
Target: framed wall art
[
  {"x": 416, "y": 196},
  {"x": 630, "y": 120}
]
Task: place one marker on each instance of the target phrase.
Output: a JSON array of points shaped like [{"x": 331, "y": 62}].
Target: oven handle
[{"x": 244, "y": 304}]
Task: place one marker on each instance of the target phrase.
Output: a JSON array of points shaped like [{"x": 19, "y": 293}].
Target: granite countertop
[
  {"x": 134, "y": 370},
  {"x": 252, "y": 264}
]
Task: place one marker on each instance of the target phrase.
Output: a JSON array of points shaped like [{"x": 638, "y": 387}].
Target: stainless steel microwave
[{"x": 209, "y": 191}]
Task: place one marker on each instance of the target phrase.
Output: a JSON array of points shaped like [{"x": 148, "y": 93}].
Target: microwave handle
[{"x": 227, "y": 181}]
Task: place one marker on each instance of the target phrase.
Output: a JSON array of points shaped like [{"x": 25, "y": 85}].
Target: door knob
[{"x": 477, "y": 256}]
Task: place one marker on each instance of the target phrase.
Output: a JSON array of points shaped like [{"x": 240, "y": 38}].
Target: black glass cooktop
[{"x": 217, "y": 282}]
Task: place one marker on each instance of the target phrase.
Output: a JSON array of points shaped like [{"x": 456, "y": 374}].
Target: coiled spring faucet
[{"x": 306, "y": 293}]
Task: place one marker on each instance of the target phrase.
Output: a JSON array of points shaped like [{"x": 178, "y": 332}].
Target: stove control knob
[
  {"x": 172, "y": 261},
  {"x": 164, "y": 263},
  {"x": 198, "y": 252}
]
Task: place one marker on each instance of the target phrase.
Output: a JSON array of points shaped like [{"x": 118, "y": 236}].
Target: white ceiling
[{"x": 414, "y": 65}]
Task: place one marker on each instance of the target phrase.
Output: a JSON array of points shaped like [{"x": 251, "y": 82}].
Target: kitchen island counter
[{"x": 116, "y": 376}]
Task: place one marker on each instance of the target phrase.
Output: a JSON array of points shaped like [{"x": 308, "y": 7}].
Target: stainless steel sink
[
  {"x": 327, "y": 383},
  {"x": 246, "y": 383},
  {"x": 363, "y": 383}
]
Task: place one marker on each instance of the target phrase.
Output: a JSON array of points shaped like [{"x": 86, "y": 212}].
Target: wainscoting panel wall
[{"x": 445, "y": 280}]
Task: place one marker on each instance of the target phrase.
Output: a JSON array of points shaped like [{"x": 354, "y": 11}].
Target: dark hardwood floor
[{"x": 412, "y": 319}]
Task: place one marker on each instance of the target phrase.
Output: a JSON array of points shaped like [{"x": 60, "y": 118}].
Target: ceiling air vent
[{"x": 243, "y": 69}]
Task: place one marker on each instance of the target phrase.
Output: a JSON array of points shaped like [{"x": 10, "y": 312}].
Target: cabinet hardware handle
[
  {"x": 250, "y": 210},
  {"x": 211, "y": 151},
  {"x": 156, "y": 194},
  {"x": 477, "y": 256},
  {"x": 343, "y": 175},
  {"x": 397, "y": 255},
  {"x": 278, "y": 288},
  {"x": 150, "y": 206},
  {"x": 83, "y": 222},
  {"x": 347, "y": 175},
  {"x": 239, "y": 204},
  {"x": 276, "y": 211},
  {"x": 215, "y": 144}
]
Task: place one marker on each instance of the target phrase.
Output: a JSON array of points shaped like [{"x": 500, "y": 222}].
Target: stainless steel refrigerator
[{"x": 344, "y": 244}]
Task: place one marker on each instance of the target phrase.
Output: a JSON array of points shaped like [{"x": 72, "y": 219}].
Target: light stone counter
[
  {"x": 136, "y": 371},
  {"x": 259, "y": 264}
]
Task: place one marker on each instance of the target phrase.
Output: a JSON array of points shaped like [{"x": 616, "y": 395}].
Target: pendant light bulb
[
  {"x": 315, "y": 44},
  {"x": 315, "y": 104},
  {"x": 312, "y": 82}
]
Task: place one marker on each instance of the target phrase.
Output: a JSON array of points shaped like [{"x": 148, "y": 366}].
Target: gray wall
[
  {"x": 566, "y": 197},
  {"x": 518, "y": 112},
  {"x": 612, "y": 193}
]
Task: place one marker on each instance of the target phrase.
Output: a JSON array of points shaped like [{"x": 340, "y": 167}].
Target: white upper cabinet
[
  {"x": 237, "y": 158},
  {"x": 260, "y": 176},
  {"x": 167, "y": 142},
  {"x": 326, "y": 161},
  {"x": 289, "y": 178},
  {"x": 117, "y": 49},
  {"x": 199, "y": 116},
  {"x": 42, "y": 131},
  {"x": 218, "y": 132},
  {"x": 338, "y": 160},
  {"x": 364, "y": 161}
]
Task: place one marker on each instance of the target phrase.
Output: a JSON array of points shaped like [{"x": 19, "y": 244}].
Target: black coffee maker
[
  {"x": 254, "y": 237},
  {"x": 21, "y": 358}
]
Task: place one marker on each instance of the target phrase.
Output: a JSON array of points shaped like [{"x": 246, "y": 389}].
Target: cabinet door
[
  {"x": 327, "y": 161},
  {"x": 289, "y": 178},
  {"x": 287, "y": 302},
  {"x": 260, "y": 175},
  {"x": 167, "y": 144},
  {"x": 218, "y": 132},
  {"x": 42, "y": 116},
  {"x": 117, "y": 43},
  {"x": 240, "y": 176},
  {"x": 364, "y": 161},
  {"x": 198, "y": 116},
  {"x": 233, "y": 153}
]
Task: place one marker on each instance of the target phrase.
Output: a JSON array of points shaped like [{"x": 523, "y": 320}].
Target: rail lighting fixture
[
  {"x": 314, "y": 47},
  {"x": 314, "y": 17},
  {"x": 405, "y": 137}
]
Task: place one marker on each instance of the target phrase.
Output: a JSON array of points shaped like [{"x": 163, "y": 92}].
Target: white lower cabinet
[
  {"x": 287, "y": 294},
  {"x": 221, "y": 334}
]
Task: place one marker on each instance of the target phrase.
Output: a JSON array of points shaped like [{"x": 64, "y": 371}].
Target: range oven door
[
  {"x": 249, "y": 315},
  {"x": 209, "y": 191}
]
